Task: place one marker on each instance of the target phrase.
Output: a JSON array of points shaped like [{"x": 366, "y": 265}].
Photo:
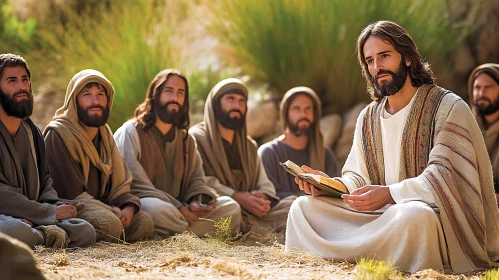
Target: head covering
[
  {"x": 316, "y": 142},
  {"x": 491, "y": 69},
  {"x": 210, "y": 145},
  {"x": 108, "y": 160}
]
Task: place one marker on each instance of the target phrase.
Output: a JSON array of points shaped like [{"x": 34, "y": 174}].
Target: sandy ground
[{"x": 186, "y": 256}]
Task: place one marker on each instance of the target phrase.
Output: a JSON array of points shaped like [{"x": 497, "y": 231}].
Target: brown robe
[
  {"x": 215, "y": 162},
  {"x": 145, "y": 155},
  {"x": 69, "y": 173}
]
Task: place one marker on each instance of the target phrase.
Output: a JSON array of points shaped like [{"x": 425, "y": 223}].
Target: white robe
[{"x": 408, "y": 234}]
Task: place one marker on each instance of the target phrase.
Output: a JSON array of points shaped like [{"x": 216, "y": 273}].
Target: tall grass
[
  {"x": 288, "y": 43},
  {"x": 15, "y": 35},
  {"x": 129, "y": 42}
]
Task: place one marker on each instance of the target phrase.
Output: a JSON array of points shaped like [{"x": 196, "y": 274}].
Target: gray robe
[{"x": 26, "y": 190}]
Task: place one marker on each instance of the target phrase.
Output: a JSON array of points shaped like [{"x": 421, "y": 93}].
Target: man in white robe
[{"x": 420, "y": 181}]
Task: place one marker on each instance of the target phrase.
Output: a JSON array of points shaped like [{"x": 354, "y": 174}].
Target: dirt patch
[{"x": 187, "y": 256}]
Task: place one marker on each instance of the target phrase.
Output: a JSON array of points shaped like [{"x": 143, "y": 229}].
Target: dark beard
[
  {"x": 224, "y": 118},
  {"x": 93, "y": 121},
  {"x": 19, "y": 109},
  {"x": 298, "y": 131},
  {"x": 166, "y": 116},
  {"x": 486, "y": 109},
  {"x": 389, "y": 88}
]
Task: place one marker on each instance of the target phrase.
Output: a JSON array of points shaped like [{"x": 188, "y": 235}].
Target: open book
[{"x": 331, "y": 186}]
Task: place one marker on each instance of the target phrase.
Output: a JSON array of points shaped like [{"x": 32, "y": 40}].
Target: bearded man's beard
[
  {"x": 166, "y": 116},
  {"x": 232, "y": 123},
  {"x": 486, "y": 109},
  {"x": 300, "y": 131},
  {"x": 390, "y": 87},
  {"x": 19, "y": 109},
  {"x": 93, "y": 120}
]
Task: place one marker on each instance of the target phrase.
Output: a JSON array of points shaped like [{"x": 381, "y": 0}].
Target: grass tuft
[
  {"x": 223, "y": 232},
  {"x": 490, "y": 275},
  {"x": 371, "y": 269}
]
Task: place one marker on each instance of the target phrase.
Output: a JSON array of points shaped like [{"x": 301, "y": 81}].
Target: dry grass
[{"x": 187, "y": 256}]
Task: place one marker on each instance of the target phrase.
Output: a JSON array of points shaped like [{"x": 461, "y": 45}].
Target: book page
[{"x": 294, "y": 166}]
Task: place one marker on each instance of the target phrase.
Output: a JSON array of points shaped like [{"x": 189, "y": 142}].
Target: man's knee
[
  {"x": 228, "y": 204},
  {"x": 157, "y": 207},
  {"x": 20, "y": 230},
  {"x": 142, "y": 227},
  {"x": 107, "y": 225},
  {"x": 80, "y": 232},
  {"x": 300, "y": 202},
  {"x": 417, "y": 213}
]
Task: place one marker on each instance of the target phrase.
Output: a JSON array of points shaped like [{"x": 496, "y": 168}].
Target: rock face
[
  {"x": 261, "y": 118},
  {"x": 47, "y": 101},
  {"x": 331, "y": 128},
  {"x": 344, "y": 144}
]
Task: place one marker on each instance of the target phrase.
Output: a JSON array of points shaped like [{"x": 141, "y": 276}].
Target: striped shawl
[{"x": 443, "y": 145}]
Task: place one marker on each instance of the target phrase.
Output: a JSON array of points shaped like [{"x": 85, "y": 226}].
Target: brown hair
[
  {"x": 145, "y": 112},
  {"x": 393, "y": 34},
  {"x": 12, "y": 60}
]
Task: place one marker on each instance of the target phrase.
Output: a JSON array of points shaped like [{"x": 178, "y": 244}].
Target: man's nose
[
  {"x": 376, "y": 66},
  {"x": 22, "y": 85}
]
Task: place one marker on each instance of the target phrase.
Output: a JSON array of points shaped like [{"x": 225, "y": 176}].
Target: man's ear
[{"x": 408, "y": 63}]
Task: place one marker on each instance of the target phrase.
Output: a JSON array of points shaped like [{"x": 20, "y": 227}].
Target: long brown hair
[
  {"x": 393, "y": 34},
  {"x": 145, "y": 112}
]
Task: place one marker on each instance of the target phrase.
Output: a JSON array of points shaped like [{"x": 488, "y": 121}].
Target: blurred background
[{"x": 272, "y": 45}]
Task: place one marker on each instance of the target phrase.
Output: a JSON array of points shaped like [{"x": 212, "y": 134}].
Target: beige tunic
[{"x": 463, "y": 232}]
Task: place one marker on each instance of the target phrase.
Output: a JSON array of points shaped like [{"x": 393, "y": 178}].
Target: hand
[
  {"x": 253, "y": 204},
  {"x": 116, "y": 211},
  {"x": 308, "y": 188},
  {"x": 27, "y": 222},
  {"x": 259, "y": 194},
  {"x": 196, "y": 208},
  {"x": 65, "y": 211},
  {"x": 369, "y": 198},
  {"x": 190, "y": 216},
  {"x": 127, "y": 215}
]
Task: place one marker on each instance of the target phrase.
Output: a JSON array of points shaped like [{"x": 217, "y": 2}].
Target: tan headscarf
[
  {"x": 80, "y": 146},
  {"x": 316, "y": 142},
  {"x": 212, "y": 150}
]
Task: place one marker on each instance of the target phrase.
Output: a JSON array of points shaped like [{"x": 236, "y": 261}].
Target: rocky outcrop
[
  {"x": 261, "y": 118},
  {"x": 344, "y": 144},
  {"x": 331, "y": 127}
]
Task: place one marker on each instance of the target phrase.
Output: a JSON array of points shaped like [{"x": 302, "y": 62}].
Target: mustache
[
  {"x": 22, "y": 91},
  {"x": 236, "y": 110},
  {"x": 383, "y": 72},
  {"x": 171, "y": 102},
  {"x": 483, "y": 98},
  {"x": 95, "y": 106},
  {"x": 304, "y": 119}
]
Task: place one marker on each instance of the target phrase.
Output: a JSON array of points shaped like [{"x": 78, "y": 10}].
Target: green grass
[
  {"x": 371, "y": 269},
  {"x": 490, "y": 275},
  {"x": 129, "y": 42},
  {"x": 288, "y": 43},
  {"x": 15, "y": 35}
]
